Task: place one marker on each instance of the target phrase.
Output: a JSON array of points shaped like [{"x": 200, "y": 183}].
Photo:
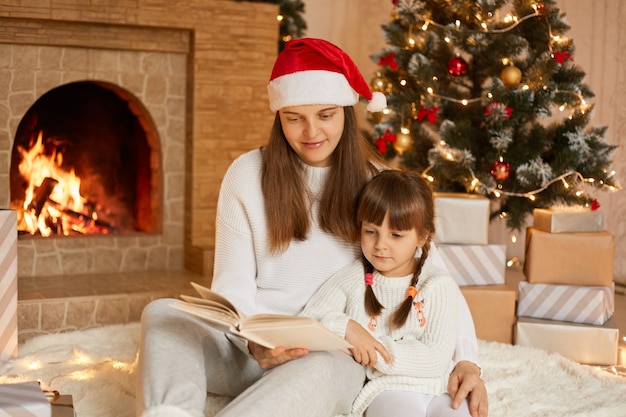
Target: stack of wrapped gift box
[
  {"x": 566, "y": 303},
  {"x": 24, "y": 398},
  {"x": 461, "y": 235}
]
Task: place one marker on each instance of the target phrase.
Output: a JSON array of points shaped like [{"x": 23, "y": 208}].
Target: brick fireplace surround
[{"x": 200, "y": 68}]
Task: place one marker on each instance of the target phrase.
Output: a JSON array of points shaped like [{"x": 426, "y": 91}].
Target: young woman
[
  {"x": 405, "y": 305},
  {"x": 284, "y": 226}
]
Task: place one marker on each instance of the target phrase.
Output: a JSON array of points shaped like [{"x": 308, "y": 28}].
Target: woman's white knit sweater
[
  {"x": 252, "y": 278},
  {"x": 421, "y": 350}
]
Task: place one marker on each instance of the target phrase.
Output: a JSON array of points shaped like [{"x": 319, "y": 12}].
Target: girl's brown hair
[
  {"x": 286, "y": 196},
  {"x": 408, "y": 200}
]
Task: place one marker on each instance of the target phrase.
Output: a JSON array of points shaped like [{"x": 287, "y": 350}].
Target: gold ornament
[
  {"x": 511, "y": 75},
  {"x": 403, "y": 142},
  {"x": 377, "y": 83}
]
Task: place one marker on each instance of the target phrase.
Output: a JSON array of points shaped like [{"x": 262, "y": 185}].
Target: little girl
[{"x": 405, "y": 304}]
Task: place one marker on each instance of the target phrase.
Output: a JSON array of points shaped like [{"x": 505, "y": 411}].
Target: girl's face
[
  {"x": 391, "y": 252},
  {"x": 313, "y": 131}
]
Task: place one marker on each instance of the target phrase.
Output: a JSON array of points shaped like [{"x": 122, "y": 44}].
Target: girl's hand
[
  {"x": 364, "y": 345},
  {"x": 465, "y": 381},
  {"x": 270, "y": 358}
]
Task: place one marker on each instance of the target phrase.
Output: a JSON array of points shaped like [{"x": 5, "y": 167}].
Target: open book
[{"x": 269, "y": 330}]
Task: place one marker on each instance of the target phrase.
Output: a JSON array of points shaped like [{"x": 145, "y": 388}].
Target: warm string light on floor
[
  {"x": 79, "y": 359},
  {"x": 619, "y": 369}
]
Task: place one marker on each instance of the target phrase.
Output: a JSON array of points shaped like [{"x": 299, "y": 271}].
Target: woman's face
[{"x": 313, "y": 131}]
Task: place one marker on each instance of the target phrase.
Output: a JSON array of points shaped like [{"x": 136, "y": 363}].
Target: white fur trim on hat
[
  {"x": 311, "y": 87},
  {"x": 377, "y": 103}
]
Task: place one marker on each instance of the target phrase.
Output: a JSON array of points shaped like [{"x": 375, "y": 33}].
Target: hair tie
[
  {"x": 411, "y": 292},
  {"x": 369, "y": 279}
]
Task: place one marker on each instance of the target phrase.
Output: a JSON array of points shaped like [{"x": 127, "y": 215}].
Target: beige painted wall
[{"x": 600, "y": 41}]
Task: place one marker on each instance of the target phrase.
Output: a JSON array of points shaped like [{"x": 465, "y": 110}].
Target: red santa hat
[{"x": 314, "y": 71}]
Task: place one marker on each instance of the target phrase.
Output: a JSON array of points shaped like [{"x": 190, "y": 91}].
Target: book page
[
  {"x": 220, "y": 319},
  {"x": 209, "y": 305},
  {"x": 292, "y": 332},
  {"x": 207, "y": 294}
]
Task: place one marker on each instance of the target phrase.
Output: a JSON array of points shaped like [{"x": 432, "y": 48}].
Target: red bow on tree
[
  {"x": 560, "y": 57},
  {"x": 389, "y": 60},
  {"x": 429, "y": 113},
  {"x": 595, "y": 205},
  {"x": 381, "y": 142}
]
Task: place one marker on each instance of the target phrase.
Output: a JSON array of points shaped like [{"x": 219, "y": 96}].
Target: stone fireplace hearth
[{"x": 200, "y": 69}]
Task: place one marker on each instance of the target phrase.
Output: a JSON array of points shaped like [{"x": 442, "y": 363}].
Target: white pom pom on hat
[{"x": 314, "y": 71}]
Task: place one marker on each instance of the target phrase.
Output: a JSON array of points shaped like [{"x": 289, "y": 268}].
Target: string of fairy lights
[{"x": 568, "y": 179}]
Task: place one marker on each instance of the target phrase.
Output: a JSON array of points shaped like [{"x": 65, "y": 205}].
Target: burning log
[
  {"x": 42, "y": 197},
  {"x": 42, "y": 193}
]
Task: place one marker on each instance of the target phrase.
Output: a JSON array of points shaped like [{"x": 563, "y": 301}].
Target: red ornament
[
  {"x": 457, "y": 66},
  {"x": 500, "y": 170}
]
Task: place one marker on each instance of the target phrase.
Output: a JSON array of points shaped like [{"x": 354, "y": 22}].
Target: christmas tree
[
  {"x": 290, "y": 17},
  {"x": 484, "y": 97}
]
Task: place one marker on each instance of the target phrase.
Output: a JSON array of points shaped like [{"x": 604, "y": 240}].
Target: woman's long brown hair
[
  {"x": 285, "y": 192},
  {"x": 408, "y": 200}
]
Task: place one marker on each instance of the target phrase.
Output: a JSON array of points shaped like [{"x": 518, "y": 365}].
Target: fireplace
[
  {"x": 93, "y": 123},
  {"x": 80, "y": 163},
  {"x": 190, "y": 80}
]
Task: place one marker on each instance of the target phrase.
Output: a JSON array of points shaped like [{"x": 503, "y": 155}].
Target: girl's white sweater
[{"x": 421, "y": 350}]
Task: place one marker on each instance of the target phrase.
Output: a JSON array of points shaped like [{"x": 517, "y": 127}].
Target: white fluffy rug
[{"x": 96, "y": 367}]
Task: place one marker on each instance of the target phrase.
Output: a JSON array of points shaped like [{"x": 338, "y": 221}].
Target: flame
[{"x": 63, "y": 210}]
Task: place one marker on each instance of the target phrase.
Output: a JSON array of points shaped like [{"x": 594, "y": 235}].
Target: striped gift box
[
  {"x": 25, "y": 399},
  {"x": 573, "y": 303},
  {"x": 8, "y": 284},
  {"x": 475, "y": 264}
]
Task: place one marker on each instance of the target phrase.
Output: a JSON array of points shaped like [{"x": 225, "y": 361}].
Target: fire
[{"x": 53, "y": 203}]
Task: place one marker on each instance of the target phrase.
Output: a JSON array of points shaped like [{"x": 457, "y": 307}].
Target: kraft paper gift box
[
  {"x": 574, "y": 303},
  {"x": 8, "y": 284},
  {"x": 461, "y": 218},
  {"x": 569, "y": 258},
  {"x": 568, "y": 221},
  {"x": 493, "y": 311},
  {"x": 583, "y": 343},
  {"x": 25, "y": 399},
  {"x": 475, "y": 264}
]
